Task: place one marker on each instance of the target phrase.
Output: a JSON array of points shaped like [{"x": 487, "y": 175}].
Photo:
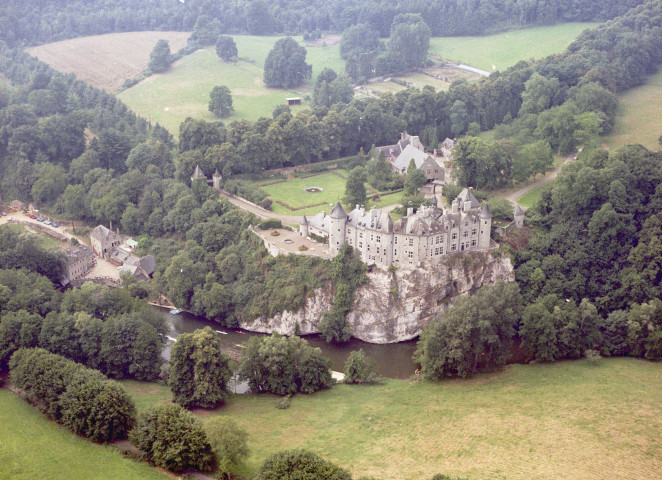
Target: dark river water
[{"x": 393, "y": 360}]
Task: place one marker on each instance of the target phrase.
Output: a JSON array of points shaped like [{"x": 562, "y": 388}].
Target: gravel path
[{"x": 513, "y": 196}]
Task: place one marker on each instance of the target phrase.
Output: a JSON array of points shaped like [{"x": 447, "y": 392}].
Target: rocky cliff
[{"x": 393, "y": 306}]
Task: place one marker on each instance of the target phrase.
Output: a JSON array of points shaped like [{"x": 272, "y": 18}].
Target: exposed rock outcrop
[{"x": 393, "y": 306}]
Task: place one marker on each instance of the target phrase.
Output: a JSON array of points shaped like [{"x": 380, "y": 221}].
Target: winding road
[{"x": 551, "y": 175}]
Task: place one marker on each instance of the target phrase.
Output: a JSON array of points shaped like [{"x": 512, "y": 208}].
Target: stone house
[
  {"x": 79, "y": 260},
  {"x": 104, "y": 240},
  {"x": 417, "y": 238}
]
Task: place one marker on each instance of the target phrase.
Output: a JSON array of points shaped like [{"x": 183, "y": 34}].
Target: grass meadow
[
  {"x": 505, "y": 49},
  {"x": 33, "y": 447},
  {"x": 531, "y": 197},
  {"x": 565, "y": 420},
  {"x": 183, "y": 91},
  {"x": 639, "y": 116}
]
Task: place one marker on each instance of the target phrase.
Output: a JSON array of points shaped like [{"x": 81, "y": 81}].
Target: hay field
[
  {"x": 106, "y": 61},
  {"x": 639, "y": 116},
  {"x": 505, "y": 49}
]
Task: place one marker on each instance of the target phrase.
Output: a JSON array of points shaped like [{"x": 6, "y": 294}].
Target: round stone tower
[
  {"x": 337, "y": 223},
  {"x": 485, "y": 228}
]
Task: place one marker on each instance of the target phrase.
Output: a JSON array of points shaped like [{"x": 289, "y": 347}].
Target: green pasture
[
  {"x": 639, "y": 116},
  {"x": 506, "y": 49},
  {"x": 183, "y": 91},
  {"x": 565, "y": 420},
  {"x": 33, "y": 447}
]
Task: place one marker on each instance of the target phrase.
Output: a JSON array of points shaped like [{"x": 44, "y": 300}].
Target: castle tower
[
  {"x": 338, "y": 221},
  {"x": 303, "y": 227},
  {"x": 216, "y": 179},
  {"x": 518, "y": 214},
  {"x": 485, "y": 228},
  {"x": 197, "y": 174}
]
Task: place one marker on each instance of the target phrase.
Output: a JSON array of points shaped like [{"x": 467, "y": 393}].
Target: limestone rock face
[{"x": 394, "y": 306}]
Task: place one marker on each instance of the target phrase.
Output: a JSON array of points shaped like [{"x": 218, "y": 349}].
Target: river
[{"x": 393, "y": 360}]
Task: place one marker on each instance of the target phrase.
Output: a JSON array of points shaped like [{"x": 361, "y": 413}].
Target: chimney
[
  {"x": 402, "y": 135},
  {"x": 118, "y": 231},
  {"x": 111, "y": 226}
]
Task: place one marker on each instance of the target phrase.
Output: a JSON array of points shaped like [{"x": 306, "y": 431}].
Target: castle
[{"x": 417, "y": 238}]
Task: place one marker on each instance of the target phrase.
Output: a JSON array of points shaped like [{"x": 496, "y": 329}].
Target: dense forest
[{"x": 41, "y": 21}]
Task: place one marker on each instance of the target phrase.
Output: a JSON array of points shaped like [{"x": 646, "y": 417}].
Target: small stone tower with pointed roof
[
  {"x": 518, "y": 214},
  {"x": 197, "y": 174},
  {"x": 216, "y": 179}
]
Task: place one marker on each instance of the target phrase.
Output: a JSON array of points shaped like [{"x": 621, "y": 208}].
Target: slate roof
[
  {"x": 197, "y": 173},
  {"x": 467, "y": 195},
  {"x": 148, "y": 264},
  {"x": 338, "y": 212},
  {"x": 376, "y": 219},
  {"x": 518, "y": 211},
  {"x": 100, "y": 233},
  {"x": 402, "y": 162},
  {"x": 485, "y": 212},
  {"x": 304, "y": 221}
]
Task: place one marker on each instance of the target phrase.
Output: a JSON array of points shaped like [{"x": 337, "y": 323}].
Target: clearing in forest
[
  {"x": 504, "y": 50},
  {"x": 183, "y": 90},
  {"x": 106, "y": 61},
  {"x": 639, "y": 116}
]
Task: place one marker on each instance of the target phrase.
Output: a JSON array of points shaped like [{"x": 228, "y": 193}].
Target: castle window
[
  {"x": 377, "y": 250},
  {"x": 466, "y": 224},
  {"x": 431, "y": 252},
  {"x": 411, "y": 242},
  {"x": 485, "y": 222},
  {"x": 454, "y": 247},
  {"x": 473, "y": 243},
  {"x": 396, "y": 240},
  {"x": 379, "y": 238},
  {"x": 360, "y": 234},
  {"x": 348, "y": 231},
  {"x": 465, "y": 234},
  {"x": 395, "y": 253},
  {"x": 441, "y": 250},
  {"x": 473, "y": 232},
  {"x": 410, "y": 254},
  {"x": 372, "y": 237},
  {"x": 454, "y": 237},
  {"x": 360, "y": 244}
]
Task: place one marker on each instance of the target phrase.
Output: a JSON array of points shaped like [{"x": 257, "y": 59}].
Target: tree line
[{"x": 33, "y": 22}]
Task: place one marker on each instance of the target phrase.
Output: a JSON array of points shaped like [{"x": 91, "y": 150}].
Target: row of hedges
[{"x": 82, "y": 399}]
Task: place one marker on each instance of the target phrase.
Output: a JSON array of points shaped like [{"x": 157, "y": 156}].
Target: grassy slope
[
  {"x": 639, "y": 116},
  {"x": 506, "y": 49},
  {"x": 183, "y": 90},
  {"x": 566, "y": 420},
  {"x": 33, "y": 447}
]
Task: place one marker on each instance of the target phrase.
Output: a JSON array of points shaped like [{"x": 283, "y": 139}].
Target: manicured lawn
[
  {"x": 32, "y": 447},
  {"x": 566, "y": 420},
  {"x": 506, "y": 49},
  {"x": 639, "y": 116},
  {"x": 292, "y": 192},
  {"x": 183, "y": 91},
  {"x": 147, "y": 394}
]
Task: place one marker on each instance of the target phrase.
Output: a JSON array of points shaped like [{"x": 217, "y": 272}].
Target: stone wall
[{"x": 393, "y": 306}]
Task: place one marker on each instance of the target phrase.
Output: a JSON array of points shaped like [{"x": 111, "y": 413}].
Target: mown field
[
  {"x": 32, "y": 447},
  {"x": 183, "y": 91},
  {"x": 504, "y": 50},
  {"x": 106, "y": 61},
  {"x": 639, "y": 116},
  {"x": 566, "y": 420}
]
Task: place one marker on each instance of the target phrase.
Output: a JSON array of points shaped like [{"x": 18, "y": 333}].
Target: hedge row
[{"x": 81, "y": 399}]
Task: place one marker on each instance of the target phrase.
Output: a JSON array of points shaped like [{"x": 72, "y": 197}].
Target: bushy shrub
[
  {"x": 360, "y": 368},
  {"x": 271, "y": 223},
  {"x": 173, "y": 439},
  {"x": 300, "y": 464}
]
